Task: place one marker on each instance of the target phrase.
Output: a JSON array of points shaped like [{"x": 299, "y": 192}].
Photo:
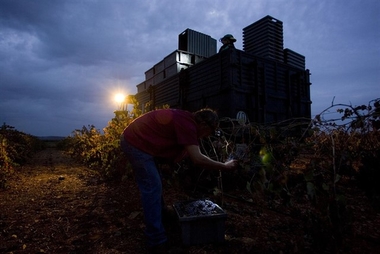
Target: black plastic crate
[
  {"x": 201, "y": 228},
  {"x": 266, "y": 90}
]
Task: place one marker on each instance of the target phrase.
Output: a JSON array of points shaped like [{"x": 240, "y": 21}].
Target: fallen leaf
[{"x": 133, "y": 215}]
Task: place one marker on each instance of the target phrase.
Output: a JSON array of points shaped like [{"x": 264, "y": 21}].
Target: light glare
[{"x": 119, "y": 98}]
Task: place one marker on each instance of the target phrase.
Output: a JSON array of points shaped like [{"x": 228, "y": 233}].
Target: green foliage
[
  {"x": 267, "y": 155},
  {"x": 101, "y": 151},
  {"x": 331, "y": 151},
  {"x": 15, "y": 148},
  {"x": 286, "y": 161},
  {"x": 350, "y": 148}
]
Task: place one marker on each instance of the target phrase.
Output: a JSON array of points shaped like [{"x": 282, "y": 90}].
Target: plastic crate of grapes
[{"x": 201, "y": 221}]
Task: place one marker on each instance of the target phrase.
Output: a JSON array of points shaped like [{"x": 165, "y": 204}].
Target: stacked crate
[
  {"x": 168, "y": 67},
  {"x": 294, "y": 59},
  {"x": 197, "y": 43},
  {"x": 233, "y": 81},
  {"x": 266, "y": 82},
  {"x": 265, "y": 38}
]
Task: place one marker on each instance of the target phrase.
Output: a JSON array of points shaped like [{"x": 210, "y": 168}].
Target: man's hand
[
  {"x": 201, "y": 160},
  {"x": 231, "y": 164}
]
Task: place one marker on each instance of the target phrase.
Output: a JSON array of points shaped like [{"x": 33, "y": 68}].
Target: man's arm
[{"x": 200, "y": 159}]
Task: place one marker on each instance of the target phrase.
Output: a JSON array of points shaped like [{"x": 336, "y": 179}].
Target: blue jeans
[{"x": 149, "y": 181}]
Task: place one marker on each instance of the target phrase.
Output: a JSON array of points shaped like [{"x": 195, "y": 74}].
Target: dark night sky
[{"x": 63, "y": 60}]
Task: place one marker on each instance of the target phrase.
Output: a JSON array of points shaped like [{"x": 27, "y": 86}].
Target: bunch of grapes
[{"x": 200, "y": 207}]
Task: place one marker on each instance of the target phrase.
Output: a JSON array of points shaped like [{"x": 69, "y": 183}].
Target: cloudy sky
[{"x": 62, "y": 60}]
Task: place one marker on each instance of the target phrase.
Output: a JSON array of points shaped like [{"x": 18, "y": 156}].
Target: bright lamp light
[{"x": 119, "y": 98}]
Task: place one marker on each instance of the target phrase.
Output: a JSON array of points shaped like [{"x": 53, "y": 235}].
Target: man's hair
[{"x": 207, "y": 116}]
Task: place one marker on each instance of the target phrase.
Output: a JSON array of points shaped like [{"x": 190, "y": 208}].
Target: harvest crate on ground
[{"x": 202, "y": 225}]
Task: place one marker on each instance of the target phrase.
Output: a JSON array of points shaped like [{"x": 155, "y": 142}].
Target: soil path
[{"x": 54, "y": 205}]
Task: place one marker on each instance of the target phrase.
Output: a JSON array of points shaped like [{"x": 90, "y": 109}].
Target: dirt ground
[{"x": 53, "y": 205}]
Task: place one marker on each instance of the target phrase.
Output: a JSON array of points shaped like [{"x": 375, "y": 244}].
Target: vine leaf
[
  {"x": 310, "y": 190},
  {"x": 337, "y": 178}
]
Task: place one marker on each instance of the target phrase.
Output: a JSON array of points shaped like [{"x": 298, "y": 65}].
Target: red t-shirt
[{"x": 163, "y": 133}]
